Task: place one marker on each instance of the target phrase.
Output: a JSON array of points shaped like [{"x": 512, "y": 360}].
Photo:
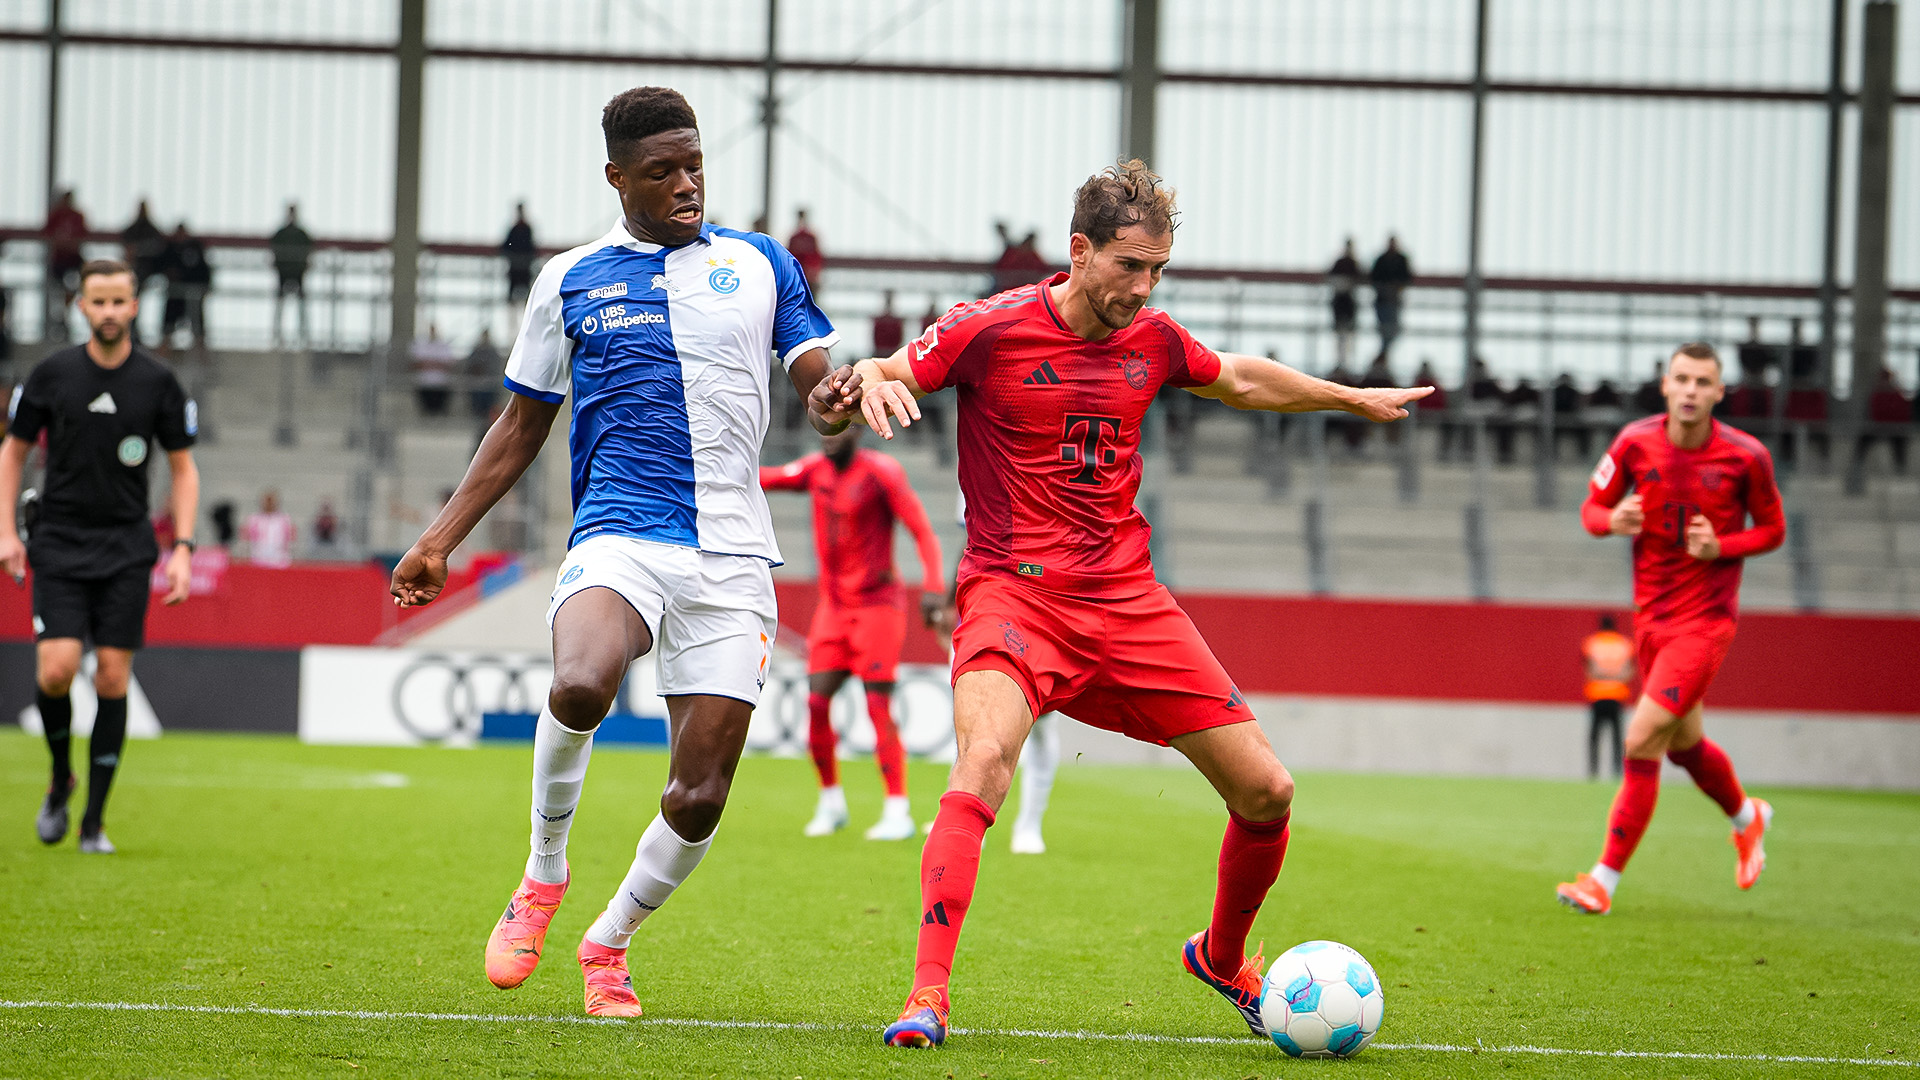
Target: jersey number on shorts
[{"x": 1088, "y": 442}]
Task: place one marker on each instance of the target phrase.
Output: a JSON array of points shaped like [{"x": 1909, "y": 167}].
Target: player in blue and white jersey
[{"x": 660, "y": 331}]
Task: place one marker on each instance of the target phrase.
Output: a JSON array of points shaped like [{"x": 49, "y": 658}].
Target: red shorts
[
  {"x": 1678, "y": 662},
  {"x": 863, "y": 640},
  {"x": 1136, "y": 666}
]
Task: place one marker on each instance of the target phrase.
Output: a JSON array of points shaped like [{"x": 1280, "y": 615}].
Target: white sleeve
[{"x": 541, "y": 365}]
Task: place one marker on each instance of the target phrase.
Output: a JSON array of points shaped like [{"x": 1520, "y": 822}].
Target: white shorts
[{"x": 712, "y": 617}]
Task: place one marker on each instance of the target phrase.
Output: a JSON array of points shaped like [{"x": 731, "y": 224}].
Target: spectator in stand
[
  {"x": 1567, "y": 422},
  {"x": 1605, "y": 412},
  {"x": 1344, "y": 278},
  {"x": 1485, "y": 404},
  {"x": 482, "y": 372},
  {"x": 6, "y": 326},
  {"x": 889, "y": 330},
  {"x": 1020, "y": 262},
  {"x": 146, "y": 249},
  {"x": 189, "y": 279},
  {"x": 64, "y": 232},
  {"x": 326, "y": 529},
  {"x": 433, "y": 364},
  {"x": 1522, "y": 408},
  {"x": 292, "y": 249},
  {"x": 1649, "y": 398},
  {"x": 1887, "y": 406},
  {"x": 1390, "y": 275},
  {"x": 1755, "y": 355},
  {"x": 1752, "y": 399},
  {"x": 932, "y": 314},
  {"x": 222, "y": 517},
  {"x": 269, "y": 532},
  {"x": 1433, "y": 407},
  {"x": 1806, "y": 413},
  {"x": 520, "y": 252},
  {"x": 805, "y": 249}
]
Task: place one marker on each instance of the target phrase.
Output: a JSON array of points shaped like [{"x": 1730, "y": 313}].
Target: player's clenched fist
[
  {"x": 1627, "y": 517},
  {"x": 418, "y": 578},
  {"x": 834, "y": 397},
  {"x": 1702, "y": 544}
]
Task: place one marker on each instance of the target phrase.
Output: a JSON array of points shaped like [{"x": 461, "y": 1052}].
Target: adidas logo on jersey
[
  {"x": 1044, "y": 375},
  {"x": 102, "y": 404}
]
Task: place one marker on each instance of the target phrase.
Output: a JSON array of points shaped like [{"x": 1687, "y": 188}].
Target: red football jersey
[
  {"x": 1049, "y": 435},
  {"x": 1727, "y": 479},
  {"x": 853, "y": 515}
]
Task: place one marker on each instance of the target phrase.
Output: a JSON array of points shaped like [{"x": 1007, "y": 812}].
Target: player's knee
[
  {"x": 693, "y": 810},
  {"x": 56, "y": 676},
  {"x": 1269, "y": 801},
  {"x": 579, "y": 700}
]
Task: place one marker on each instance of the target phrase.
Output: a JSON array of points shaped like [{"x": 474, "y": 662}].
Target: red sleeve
[
  {"x": 937, "y": 352},
  {"x": 1769, "y": 527},
  {"x": 789, "y": 477},
  {"x": 1189, "y": 363},
  {"x": 908, "y": 510},
  {"x": 1606, "y": 488}
]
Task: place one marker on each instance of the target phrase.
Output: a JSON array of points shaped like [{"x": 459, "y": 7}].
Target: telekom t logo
[{"x": 1088, "y": 441}]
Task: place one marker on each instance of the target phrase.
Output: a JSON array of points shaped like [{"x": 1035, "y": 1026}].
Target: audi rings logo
[{"x": 439, "y": 697}]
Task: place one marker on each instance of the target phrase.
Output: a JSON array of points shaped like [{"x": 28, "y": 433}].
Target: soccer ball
[{"x": 1321, "y": 1000}]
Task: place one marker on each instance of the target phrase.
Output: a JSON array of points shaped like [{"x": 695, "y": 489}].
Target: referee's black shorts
[{"x": 109, "y": 611}]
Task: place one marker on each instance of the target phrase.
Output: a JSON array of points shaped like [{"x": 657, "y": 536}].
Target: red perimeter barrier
[
  {"x": 1504, "y": 652},
  {"x": 261, "y": 607}
]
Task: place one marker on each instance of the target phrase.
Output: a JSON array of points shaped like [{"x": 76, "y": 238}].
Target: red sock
[
  {"x": 1250, "y": 858},
  {"x": 1708, "y": 765},
  {"x": 1632, "y": 809},
  {"x": 887, "y": 752},
  {"x": 948, "y": 866},
  {"x": 821, "y": 740}
]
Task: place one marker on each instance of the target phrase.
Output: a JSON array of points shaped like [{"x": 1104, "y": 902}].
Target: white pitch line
[{"x": 1019, "y": 1033}]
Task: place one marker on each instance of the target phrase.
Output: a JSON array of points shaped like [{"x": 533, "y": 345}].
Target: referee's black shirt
[{"x": 100, "y": 424}]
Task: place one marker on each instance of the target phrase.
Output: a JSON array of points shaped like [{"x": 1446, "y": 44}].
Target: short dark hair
[
  {"x": 1119, "y": 196},
  {"x": 1698, "y": 350},
  {"x": 104, "y": 267},
  {"x": 635, "y": 114}
]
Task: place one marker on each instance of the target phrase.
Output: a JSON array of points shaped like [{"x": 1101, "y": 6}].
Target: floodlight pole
[
  {"x": 53, "y": 101},
  {"x": 769, "y": 112},
  {"x": 1139, "y": 78},
  {"x": 1871, "y": 233},
  {"x": 1830, "y": 247},
  {"x": 409, "y": 107},
  {"x": 1474, "y": 184}
]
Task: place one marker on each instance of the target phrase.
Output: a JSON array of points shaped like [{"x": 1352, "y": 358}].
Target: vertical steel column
[
  {"x": 1139, "y": 78},
  {"x": 1830, "y": 244},
  {"x": 1475, "y": 183},
  {"x": 54, "y": 48},
  {"x": 409, "y": 109},
  {"x": 1878, "y": 32},
  {"x": 769, "y": 112}
]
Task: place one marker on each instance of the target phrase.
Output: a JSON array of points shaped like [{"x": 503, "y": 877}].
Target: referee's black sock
[
  {"x": 103, "y": 750},
  {"x": 56, "y": 720}
]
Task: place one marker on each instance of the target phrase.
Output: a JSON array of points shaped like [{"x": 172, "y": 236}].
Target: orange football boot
[
  {"x": 1583, "y": 893},
  {"x": 1753, "y": 857},
  {"x": 609, "y": 987},
  {"x": 513, "y": 949}
]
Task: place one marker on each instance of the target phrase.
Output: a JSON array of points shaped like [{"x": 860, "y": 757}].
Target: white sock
[
  {"x": 835, "y": 797},
  {"x": 1039, "y": 760},
  {"x": 1607, "y": 876},
  {"x": 559, "y": 769},
  {"x": 896, "y": 806},
  {"x": 660, "y": 864},
  {"x": 1746, "y": 815}
]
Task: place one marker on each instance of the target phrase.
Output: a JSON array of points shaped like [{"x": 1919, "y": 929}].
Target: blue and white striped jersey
[{"x": 665, "y": 353}]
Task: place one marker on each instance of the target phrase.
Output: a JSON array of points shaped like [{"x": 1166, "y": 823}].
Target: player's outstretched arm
[
  {"x": 1255, "y": 382},
  {"x": 888, "y": 388},
  {"x": 509, "y": 447}
]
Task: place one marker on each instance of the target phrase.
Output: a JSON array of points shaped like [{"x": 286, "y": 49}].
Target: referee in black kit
[{"x": 102, "y": 405}]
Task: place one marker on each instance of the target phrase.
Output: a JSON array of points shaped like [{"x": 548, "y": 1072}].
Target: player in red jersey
[
  {"x": 1695, "y": 482},
  {"x": 1059, "y": 608},
  {"x": 859, "y": 624}
]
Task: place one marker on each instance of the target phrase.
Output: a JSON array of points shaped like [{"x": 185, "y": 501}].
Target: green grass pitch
[{"x": 257, "y": 874}]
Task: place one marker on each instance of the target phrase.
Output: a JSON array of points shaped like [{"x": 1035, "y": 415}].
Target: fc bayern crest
[{"x": 1134, "y": 366}]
